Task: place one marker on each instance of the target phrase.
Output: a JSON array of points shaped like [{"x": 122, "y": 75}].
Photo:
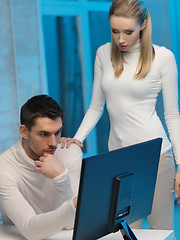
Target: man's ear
[
  {"x": 143, "y": 25},
  {"x": 24, "y": 131}
]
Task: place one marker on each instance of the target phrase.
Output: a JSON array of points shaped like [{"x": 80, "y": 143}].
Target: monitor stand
[
  {"x": 126, "y": 231},
  {"x": 121, "y": 205}
]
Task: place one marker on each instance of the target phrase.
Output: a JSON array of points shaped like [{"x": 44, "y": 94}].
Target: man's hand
[
  {"x": 177, "y": 184},
  {"x": 49, "y": 166},
  {"x": 67, "y": 142}
]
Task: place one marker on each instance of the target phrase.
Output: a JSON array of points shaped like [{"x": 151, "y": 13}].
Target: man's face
[{"x": 43, "y": 137}]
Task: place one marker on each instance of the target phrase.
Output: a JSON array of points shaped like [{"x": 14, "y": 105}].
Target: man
[{"x": 38, "y": 179}]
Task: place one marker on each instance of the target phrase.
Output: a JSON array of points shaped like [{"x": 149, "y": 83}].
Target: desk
[{"x": 11, "y": 233}]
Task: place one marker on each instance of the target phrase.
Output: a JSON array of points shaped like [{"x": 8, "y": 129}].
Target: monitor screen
[{"x": 116, "y": 186}]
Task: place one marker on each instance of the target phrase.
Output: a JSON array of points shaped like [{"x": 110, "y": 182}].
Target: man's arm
[
  {"x": 71, "y": 158},
  {"x": 32, "y": 225},
  {"x": 53, "y": 166}
]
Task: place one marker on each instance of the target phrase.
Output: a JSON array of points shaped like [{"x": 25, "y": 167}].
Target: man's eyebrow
[
  {"x": 44, "y": 131},
  {"x": 60, "y": 128}
]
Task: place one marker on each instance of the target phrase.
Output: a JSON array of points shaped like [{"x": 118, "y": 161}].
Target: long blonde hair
[{"x": 133, "y": 9}]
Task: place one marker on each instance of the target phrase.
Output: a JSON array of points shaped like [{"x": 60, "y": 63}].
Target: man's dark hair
[{"x": 40, "y": 106}]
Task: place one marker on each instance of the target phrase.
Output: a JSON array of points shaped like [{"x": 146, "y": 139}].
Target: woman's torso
[{"x": 131, "y": 102}]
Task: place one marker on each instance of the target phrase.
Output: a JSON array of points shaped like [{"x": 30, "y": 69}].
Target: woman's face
[{"x": 125, "y": 31}]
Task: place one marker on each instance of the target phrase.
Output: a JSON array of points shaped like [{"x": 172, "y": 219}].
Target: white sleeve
[
  {"x": 62, "y": 187},
  {"x": 170, "y": 97},
  {"x": 31, "y": 225},
  {"x": 96, "y": 106},
  {"x": 71, "y": 158}
]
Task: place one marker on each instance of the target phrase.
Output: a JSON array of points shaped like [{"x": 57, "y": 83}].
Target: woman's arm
[
  {"x": 95, "y": 110},
  {"x": 170, "y": 97},
  {"x": 96, "y": 106}
]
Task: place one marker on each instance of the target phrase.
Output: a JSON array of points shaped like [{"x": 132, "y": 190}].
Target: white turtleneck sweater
[
  {"x": 37, "y": 205},
  {"x": 131, "y": 102}
]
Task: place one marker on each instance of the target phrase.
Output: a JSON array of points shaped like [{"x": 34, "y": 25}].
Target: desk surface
[{"x": 11, "y": 233}]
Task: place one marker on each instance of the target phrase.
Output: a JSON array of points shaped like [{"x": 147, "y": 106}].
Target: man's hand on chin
[{"x": 49, "y": 166}]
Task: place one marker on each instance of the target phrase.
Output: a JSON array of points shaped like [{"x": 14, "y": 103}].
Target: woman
[{"x": 129, "y": 74}]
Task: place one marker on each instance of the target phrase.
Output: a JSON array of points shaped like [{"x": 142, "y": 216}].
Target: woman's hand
[
  {"x": 67, "y": 142},
  {"x": 177, "y": 184},
  {"x": 75, "y": 201}
]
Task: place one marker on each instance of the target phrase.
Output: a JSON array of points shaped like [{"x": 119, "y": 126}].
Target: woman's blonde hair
[{"x": 133, "y": 9}]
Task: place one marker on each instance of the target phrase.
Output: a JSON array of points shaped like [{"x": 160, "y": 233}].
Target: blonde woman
[{"x": 129, "y": 74}]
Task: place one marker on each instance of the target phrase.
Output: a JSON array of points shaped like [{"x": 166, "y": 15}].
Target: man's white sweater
[{"x": 37, "y": 205}]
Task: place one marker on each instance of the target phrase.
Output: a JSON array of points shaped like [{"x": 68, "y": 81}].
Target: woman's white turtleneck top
[{"x": 131, "y": 102}]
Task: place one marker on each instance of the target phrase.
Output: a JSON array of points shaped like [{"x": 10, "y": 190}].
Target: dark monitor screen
[{"x": 116, "y": 186}]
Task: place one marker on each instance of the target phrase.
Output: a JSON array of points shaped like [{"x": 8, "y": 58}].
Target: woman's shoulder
[
  {"x": 164, "y": 57},
  {"x": 162, "y": 51},
  {"x": 104, "y": 49}
]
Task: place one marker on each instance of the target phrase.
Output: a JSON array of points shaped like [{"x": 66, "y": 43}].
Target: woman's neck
[{"x": 135, "y": 48}]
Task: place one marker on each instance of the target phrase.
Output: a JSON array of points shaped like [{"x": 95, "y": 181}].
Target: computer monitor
[{"x": 116, "y": 187}]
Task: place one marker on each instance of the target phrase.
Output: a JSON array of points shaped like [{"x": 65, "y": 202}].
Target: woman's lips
[{"x": 123, "y": 47}]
